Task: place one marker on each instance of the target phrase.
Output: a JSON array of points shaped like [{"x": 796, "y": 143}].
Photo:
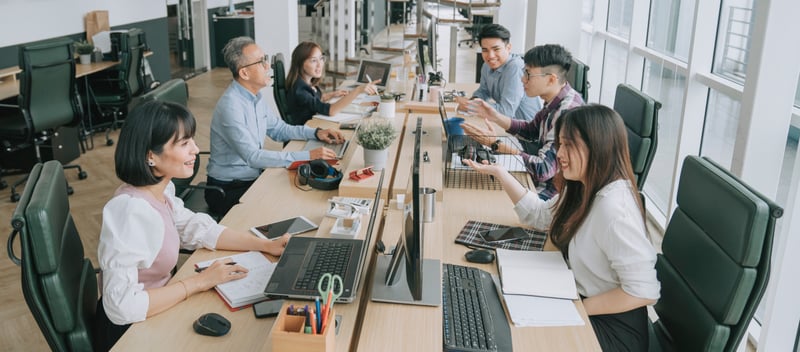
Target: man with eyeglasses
[
  {"x": 239, "y": 124},
  {"x": 544, "y": 76},
  {"x": 500, "y": 77}
]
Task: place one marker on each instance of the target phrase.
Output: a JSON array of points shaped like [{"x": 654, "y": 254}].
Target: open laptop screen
[{"x": 375, "y": 70}]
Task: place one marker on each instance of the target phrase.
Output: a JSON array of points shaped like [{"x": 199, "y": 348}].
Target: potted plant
[
  {"x": 375, "y": 136},
  {"x": 84, "y": 50}
]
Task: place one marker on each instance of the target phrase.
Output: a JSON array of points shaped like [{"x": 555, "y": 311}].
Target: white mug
[
  {"x": 433, "y": 97},
  {"x": 387, "y": 109}
]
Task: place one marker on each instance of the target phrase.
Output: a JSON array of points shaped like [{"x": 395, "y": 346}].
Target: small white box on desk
[{"x": 346, "y": 228}]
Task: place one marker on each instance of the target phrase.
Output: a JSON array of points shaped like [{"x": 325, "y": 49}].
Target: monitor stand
[{"x": 399, "y": 292}]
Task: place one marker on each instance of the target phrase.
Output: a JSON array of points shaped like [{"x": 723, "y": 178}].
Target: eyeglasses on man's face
[
  {"x": 317, "y": 59},
  {"x": 527, "y": 75},
  {"x": 264, "y": 61}
]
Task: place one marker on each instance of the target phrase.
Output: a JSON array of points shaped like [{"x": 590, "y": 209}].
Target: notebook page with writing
[{"x": 250, "y": 289}]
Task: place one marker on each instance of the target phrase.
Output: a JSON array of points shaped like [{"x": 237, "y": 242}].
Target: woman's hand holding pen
[
  {"x": 218, "y": 272},
  {"x": 370, "y": 88}
]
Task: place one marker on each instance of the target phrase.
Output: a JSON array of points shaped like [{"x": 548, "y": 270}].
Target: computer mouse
[
  {"x": 212, "y": 324},
  {"x": 482, "y": 256}
]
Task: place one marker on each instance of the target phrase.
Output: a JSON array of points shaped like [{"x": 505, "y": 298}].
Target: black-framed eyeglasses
[
  {"x": 528, "y": 75},
  {"x": 264, "y": 61}
]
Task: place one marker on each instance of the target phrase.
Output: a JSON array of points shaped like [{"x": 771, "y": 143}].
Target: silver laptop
[{"x": 339, "y": 149}]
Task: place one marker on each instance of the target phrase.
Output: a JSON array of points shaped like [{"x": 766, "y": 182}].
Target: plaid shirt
[{"x": 543, "y": 165}]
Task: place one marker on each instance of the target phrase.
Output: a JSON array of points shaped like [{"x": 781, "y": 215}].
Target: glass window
[
  {"x": 733, "y": 39},
  {"x": 797, "y": 95},
  {"x": 670, "y": 27},
  {"x": 620, "y": 14},
  {"x": 719, "y": 131},
  {"x": 614, "y": 61},
  {"x": 668, "y": 87},
  {"x": 588, "y": 11}
]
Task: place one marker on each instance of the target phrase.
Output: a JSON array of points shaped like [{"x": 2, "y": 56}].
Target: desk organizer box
[{"x": 288, "y": 335}]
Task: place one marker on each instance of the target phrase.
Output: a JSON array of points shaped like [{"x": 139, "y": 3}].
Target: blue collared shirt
[
  {"x": 239, "y": 125},
  {"x": 504, "y": 86}
]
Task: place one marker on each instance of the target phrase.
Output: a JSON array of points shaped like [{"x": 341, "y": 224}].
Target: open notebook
[{"x": 240, "y": 293}]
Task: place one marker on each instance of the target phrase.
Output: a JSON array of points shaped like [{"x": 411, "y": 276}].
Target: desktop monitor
[
  {"x": 374, "y": 70},
  {"x": 421, "y": 44},
  {"x": 432, "y": 47},
  {"x": 428, "y": 46},
  {"x": 422, "y": 284}
]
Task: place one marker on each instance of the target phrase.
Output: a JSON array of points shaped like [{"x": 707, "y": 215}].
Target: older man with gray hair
[{"x": 240, "y": 122}]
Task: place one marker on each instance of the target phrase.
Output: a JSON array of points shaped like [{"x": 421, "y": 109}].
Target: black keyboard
[
  {"x": 321, "y": 258},
  {"x": 473, "y": 317}
]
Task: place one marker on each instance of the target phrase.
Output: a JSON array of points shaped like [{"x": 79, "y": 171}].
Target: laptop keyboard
[
  {"x": 339, "y": 149},
  {"x": 323, "y": 257}
]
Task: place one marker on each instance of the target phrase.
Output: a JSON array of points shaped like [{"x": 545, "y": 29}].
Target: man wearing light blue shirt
[
  {"x": 241, "y": 121},
  {"x": 501, "y": 75}
]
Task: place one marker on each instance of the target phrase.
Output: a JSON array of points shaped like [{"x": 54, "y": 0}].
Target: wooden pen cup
[{"x": 288, "y": 334}]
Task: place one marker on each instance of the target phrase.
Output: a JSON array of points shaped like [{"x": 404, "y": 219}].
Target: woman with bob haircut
[
  {"x": 303, "y": 94},
  {"x": 597, "y": 222},
  {"x": 145, "y": 224}
]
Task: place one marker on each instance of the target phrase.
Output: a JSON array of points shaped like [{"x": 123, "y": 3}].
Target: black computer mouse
[
  {"x": 212, "y": 324},
  {"x": 482, "y": 256}
]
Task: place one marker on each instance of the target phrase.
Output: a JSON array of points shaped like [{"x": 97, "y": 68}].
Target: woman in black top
[{"x": 302, "y": 86}]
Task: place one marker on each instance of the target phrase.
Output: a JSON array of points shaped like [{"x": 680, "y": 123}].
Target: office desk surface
[{"x": 172, "y": 330}]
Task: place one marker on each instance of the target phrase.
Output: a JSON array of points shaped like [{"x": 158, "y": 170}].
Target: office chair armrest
[
  {"x": 203, "y": 186},
  {"x": 10, "y": 248}
]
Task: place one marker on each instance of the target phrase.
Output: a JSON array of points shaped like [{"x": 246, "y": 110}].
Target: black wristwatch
[
  {"x": 316, "y": 133},
  {"x": 496, "y": 145}
]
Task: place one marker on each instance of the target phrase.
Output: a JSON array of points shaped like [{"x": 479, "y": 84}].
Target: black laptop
[{"x": 306, "y": 259}]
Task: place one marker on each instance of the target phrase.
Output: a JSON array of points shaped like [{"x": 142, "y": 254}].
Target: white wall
[
  {"x": 55, "y": 18},
  {"x": 512, "y": 15},
  {"x": 276, "y": 27},
  {"x": 554, "y": 22}
]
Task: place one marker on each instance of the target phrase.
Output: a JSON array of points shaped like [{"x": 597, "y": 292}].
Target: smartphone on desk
[
  {"x": 291, "y": 226},
  {"x": 502, "y": 235},
  {"x": 266, "y": 309}
]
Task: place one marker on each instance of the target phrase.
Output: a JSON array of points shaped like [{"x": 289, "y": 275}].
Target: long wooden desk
[{"x": 10, "y": 87}]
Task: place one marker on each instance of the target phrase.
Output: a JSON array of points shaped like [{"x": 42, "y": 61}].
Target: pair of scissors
[{"x": 330, "y": 293}]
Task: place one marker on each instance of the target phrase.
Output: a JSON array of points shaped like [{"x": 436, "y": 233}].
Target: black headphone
[{"x": 319, "y": 174}]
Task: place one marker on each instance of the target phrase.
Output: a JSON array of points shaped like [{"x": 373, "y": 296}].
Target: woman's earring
[{"x": 151, "y": 163}]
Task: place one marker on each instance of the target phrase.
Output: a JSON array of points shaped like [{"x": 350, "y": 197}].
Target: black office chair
[
  {"x": 279, "y": 87},
  {"x": 716, "y": 260},
  {"x": 42, "y": 127},
  {"x": 113, "y": 90},
  {"x": 58, "y": 281},
  {"x": 193, "y": 197},
  {"x": 577, "y": 77},
  {"x": 640, "y": 113}
]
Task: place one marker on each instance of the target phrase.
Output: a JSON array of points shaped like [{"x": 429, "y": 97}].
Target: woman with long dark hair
[
  {"x": 597, "y": 222},
  {"x": 303, "y": 94}
]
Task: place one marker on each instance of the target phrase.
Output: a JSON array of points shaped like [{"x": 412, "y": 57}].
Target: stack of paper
[
  {"x": 538, "y": 288},
  {"x": 250, "y": 289},
  {"x": 340, "y": 117}
]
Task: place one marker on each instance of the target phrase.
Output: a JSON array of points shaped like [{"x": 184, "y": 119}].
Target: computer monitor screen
[
  {"x": 432, "y": 47},
  {"x": 422, "y": 276},
  {"x": 421, "y": 56},
  {"x": 372, "y": 70}
]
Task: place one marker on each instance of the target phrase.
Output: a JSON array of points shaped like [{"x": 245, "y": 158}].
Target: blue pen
[
  {"x": 308, "y": 321},
  {"x": 317, "y": 312}
]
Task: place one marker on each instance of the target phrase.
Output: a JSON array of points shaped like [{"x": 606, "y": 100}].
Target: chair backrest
[
  {"x": 174, "y": 90},
  {"x": 640, "y": 113},
  {"x": 47, "y": 86},
  {"x": 58, "y": 281},
  {"x": 577, "y": 77},
  {"x": 716, "y": 259},
  {"x": 279, "y": 87}
]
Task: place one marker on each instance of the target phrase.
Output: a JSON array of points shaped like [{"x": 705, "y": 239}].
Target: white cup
[
  {"x": 433, "y": 97},
  {"x": 400, "y": 201},
  {"x": 387, "y": 109}
]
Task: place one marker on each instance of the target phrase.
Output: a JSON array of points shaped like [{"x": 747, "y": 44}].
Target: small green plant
[
  {"x": 83, "y": 47},
  {"x": 387, "y": 97},
  {"x": 376, "y": 134}
]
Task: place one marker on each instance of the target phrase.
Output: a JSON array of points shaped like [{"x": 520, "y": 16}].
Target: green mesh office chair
[
  {"x": 578, "y": 76},
  {"x": 58, "y": 281},
  {"x": 176, "y": 91},
  {"x": 37, "y": 130},
  {"x": 640, "y": 113},
  {"x": 279, "y": 87},
  {"x": 112, "y": 91},
  {"x": 716, "y": 260}
]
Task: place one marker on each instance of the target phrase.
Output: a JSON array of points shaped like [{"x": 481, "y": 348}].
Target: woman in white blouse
[
  {"x": 598, "y": 223},
  {"x": 145, "y": 224}
]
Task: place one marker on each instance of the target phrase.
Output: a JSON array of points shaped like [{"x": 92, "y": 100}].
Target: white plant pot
[
  {"x": 375, "y": 158},
  {"x": 85, "y": 59}
]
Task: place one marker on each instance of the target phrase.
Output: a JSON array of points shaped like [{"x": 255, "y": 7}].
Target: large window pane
[
  {"x": 668, "y": 87},
  {"x": 670, "y": 27},
  {"x": 614, "y": 61},
  {"x": 733, "y": 39},
  {"x": 797, "y": 95},
  {"x": 620, "y": 14},
  {"x": 719, "y": 131}
]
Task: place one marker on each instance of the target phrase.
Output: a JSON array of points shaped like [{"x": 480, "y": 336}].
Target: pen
[
  {"x": 198, "y": 270},
  {"x": 308, "y": 321},
  {"x": 369, "y": 79},
  {"x": 317, "y": 312},
  {"x": 314, "y": 323}
]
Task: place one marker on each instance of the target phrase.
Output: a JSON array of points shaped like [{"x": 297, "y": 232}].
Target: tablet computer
[{"x": 291, "y": 226}]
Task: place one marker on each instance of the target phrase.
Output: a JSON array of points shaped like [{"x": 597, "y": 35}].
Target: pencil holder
[{"x": 288, "y": 335}]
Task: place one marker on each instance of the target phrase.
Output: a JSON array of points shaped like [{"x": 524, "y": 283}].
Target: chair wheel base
[
  {"x": 15, "y": 197},
  {"x": 109, "y": 142},
  {"x": 82, "y": 175},
  {"x": 70, "y": 191},
  {"x": 3, "y": 184}
]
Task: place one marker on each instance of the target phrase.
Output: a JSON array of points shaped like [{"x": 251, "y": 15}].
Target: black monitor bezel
[{"x": 387, "y": 66}]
